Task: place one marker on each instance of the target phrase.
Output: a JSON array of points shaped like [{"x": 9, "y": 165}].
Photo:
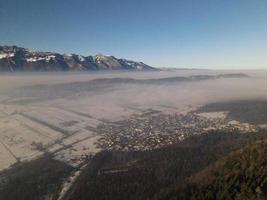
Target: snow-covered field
[
  {"x": 25, "y": 135},
  {"x": 214, "y": 115}
]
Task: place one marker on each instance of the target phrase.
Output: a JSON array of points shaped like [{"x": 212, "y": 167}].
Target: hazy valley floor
[{"x": 124, "y": 118}]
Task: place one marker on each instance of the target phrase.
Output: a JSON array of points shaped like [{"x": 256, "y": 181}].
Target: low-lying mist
[
  {"x": 62, "y": 113},
  {"x": 92, "y": 93}
]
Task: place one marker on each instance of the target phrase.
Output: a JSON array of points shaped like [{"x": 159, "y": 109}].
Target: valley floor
[{"x": 110, "y": 134}]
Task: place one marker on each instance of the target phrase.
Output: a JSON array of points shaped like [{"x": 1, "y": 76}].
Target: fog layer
[{"x": 79, "y": 91}]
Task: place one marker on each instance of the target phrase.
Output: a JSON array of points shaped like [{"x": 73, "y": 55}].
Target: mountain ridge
[{"x": 14, "y": 58}]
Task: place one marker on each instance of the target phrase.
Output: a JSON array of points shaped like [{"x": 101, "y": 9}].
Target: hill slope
[
  {"x": 154, "y": 174},
  {"x": 242, "y": 175}
]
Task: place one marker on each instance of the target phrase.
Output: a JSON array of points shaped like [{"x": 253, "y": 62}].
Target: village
[{"x": 153, "y": 129}]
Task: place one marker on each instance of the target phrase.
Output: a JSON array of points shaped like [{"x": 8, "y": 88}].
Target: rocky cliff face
[{"x": 13, "y": 58}]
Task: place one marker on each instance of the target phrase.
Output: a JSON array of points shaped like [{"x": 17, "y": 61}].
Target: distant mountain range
[{"x": 13, "y": 58}]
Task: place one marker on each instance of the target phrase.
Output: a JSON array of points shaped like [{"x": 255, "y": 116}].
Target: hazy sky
[{"x": 164, "y": 33}]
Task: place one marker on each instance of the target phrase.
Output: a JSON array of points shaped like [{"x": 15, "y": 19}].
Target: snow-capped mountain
[{"x": 13, "y": 58}]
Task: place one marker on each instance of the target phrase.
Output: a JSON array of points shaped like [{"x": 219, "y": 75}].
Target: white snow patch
[
  {"x": 6, "y": 55},
  {"x": 81, "y": 58},
  {"x": 35, "y": 59}
]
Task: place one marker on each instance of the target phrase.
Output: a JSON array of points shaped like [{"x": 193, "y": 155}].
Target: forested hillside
[
  {"x": 155, "y": 174},
  {"x": 240, "y": 176}
]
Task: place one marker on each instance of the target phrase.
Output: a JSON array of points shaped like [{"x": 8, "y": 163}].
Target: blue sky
[{"x": 214, "y": 34}]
